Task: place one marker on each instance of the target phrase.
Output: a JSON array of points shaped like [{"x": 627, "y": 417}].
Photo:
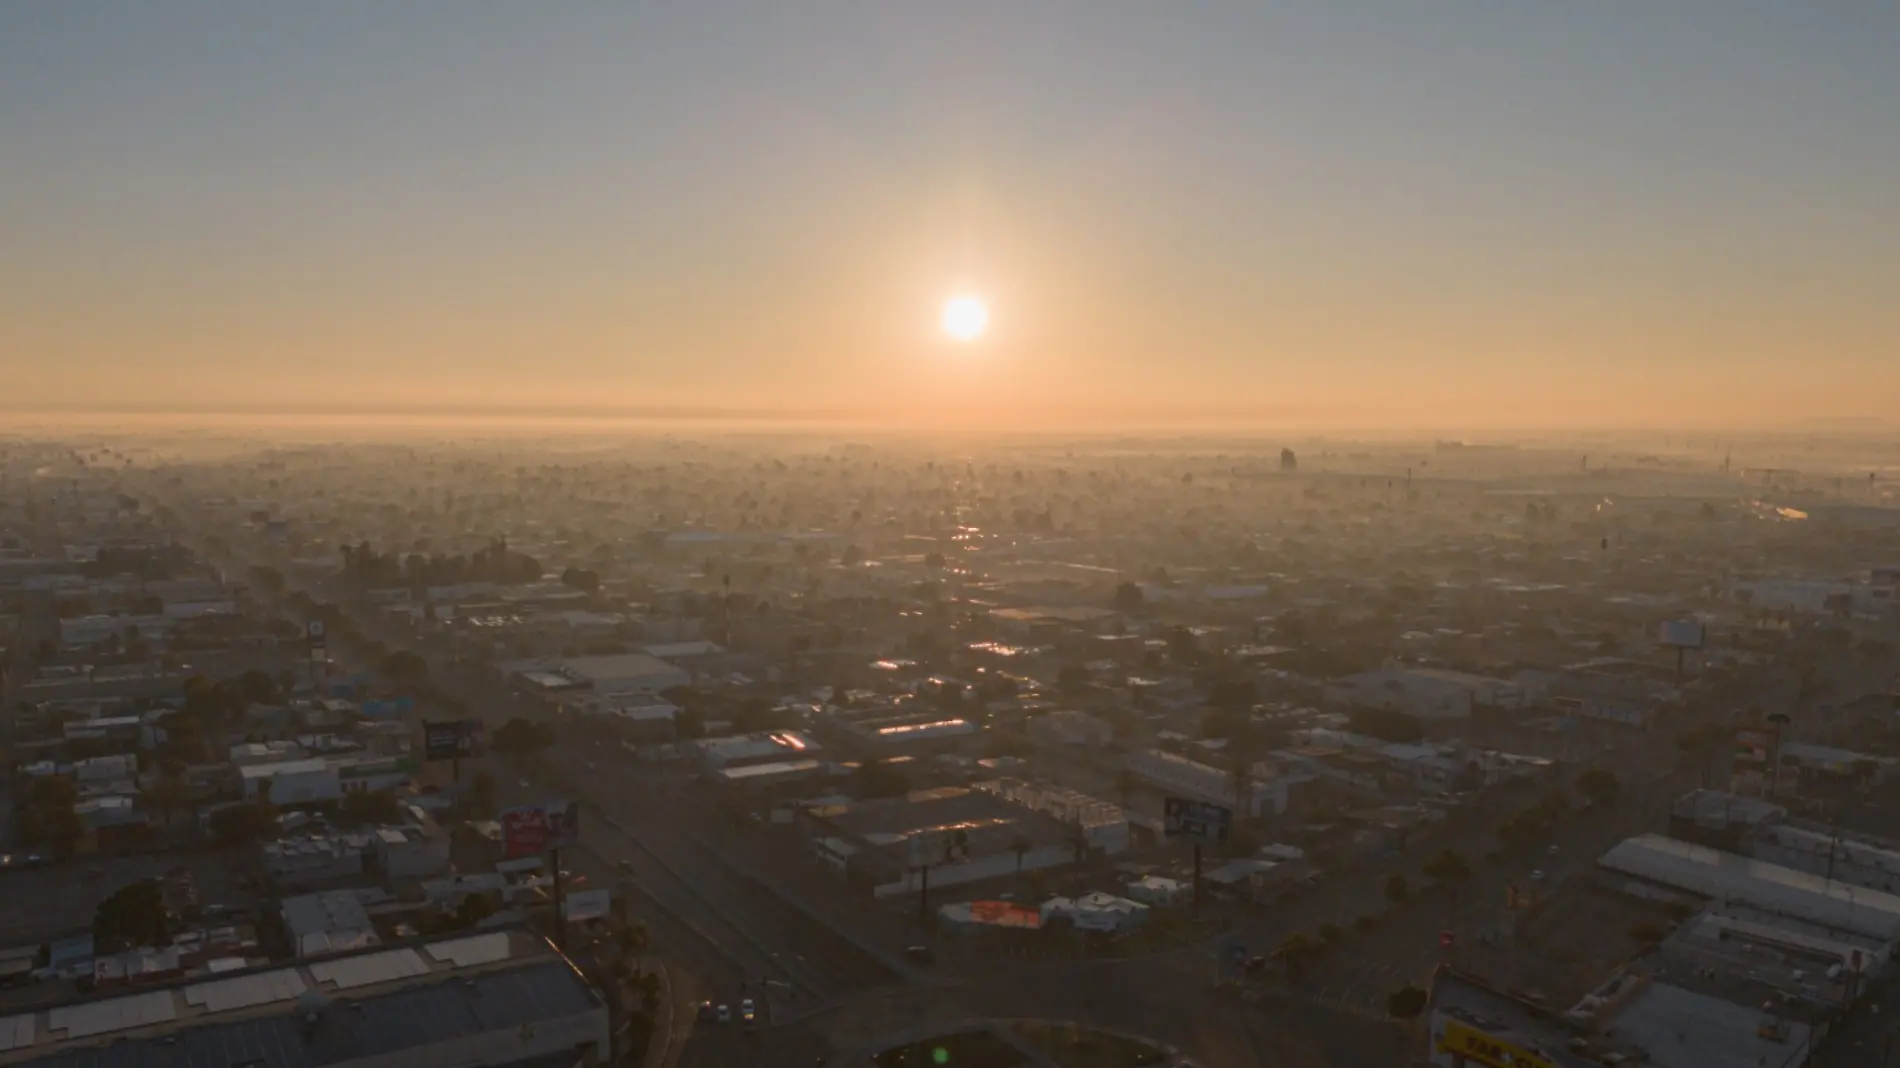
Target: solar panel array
[
  {"x": 349, "y": 972},
  {"x": 245, "y": 991},
  {"x": 468, "y": 952},
  {"x": 16, "y": 1032},
  {"x": 115, "y": 1014}
]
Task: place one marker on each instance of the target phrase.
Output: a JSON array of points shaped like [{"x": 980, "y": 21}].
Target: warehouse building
[
  {"x": 1668, "y": 869},
  {"x": 501, "y": 999}
]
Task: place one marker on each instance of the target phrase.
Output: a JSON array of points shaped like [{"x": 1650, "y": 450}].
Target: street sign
[{"x": 1196, "y": 821}]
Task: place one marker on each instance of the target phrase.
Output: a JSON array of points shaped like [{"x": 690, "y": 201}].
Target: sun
[{"x": 965, "y": 318}]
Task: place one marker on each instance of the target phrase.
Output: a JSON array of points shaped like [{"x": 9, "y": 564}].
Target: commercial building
[
  {"x": 1472, "y": 1025},
  {"x": 620, "y": 674},
  {"x": 1424, "y": 693},
  {"x": 765, "y": 747},
  {"x": 501, "y": 999},
  {"x": 962, "y": 835},
  {"x": 1674, "y": 1026},
  {"x": 1269, "y": 787},
  {"x": 626, "y": 673},
  {"x": 1668, "y": 869},
  {"x": 899, "y": 728},
  {"x": 1103, "y": 823},
  {"x": 292, "y": 782},
  {"x": 1068, "y": 727},
  {"x": 315, "y": 860},
  {"x": 331, "y": 922}
]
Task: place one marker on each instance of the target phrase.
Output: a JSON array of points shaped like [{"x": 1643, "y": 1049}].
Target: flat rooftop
[
  {"x": 1679, "y": 1028},
  {"x": 378, "y": 1003}
]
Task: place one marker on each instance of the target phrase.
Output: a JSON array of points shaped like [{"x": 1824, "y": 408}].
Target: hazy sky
[{"x": 1433, "y": 213}]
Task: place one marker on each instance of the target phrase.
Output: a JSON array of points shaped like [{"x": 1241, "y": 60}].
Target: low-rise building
[
  {"x": 1069, "y": 727},
  {"x": 292, "y": 782},
  {"x": 1422, "y": 692},
  {"x": 1269, "y": 786},
  {"x": 499, "y": 998},
  {"x": 411, "y": 852},
  {"x": 330, "y": 922},
  {"x": 1103, "y": 823}
]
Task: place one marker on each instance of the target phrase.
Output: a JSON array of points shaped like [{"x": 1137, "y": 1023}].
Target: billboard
[
  {"x": 1195, "y": 821},
  {"x": 583, "y": 905},
  {"x": 382, "y": 709},
  {"x": 450, "y": 739},
  {"x": 530, "y": 830},
  {"x": 1682, "y": 633},
  {"x": 1005, "y": 914}
]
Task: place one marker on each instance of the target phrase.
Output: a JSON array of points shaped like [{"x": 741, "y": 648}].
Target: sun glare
[{"x": 965, "y": 318}]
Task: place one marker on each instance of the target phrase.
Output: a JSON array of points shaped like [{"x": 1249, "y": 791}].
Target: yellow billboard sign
[{"x": 1476, "y": 1046}]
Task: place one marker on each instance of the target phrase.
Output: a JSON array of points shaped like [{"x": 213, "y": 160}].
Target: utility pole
[
  {"x": 1197, "y": 880},
  {"x": 560, "y": 904}
]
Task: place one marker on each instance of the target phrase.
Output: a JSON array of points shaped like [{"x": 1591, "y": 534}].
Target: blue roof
[{"x": 458, "y": 1005}]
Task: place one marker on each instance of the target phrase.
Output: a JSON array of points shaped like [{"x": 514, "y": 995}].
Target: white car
[
  {"x": 725, "y": 1013},
  {"x": 1552, "y": 851},
  {"x": 1537, "y": 876}
]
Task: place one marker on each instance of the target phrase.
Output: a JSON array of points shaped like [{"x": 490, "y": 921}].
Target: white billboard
[
  {"x": 1682, "y": 633},
  {"x": 582, "y": 905}
]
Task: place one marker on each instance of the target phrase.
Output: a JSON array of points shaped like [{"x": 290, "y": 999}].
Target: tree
[
  {"x": 585, "y": 580},
  {"x": 406, "y": 666},
  {"x": 1397, "y": 890},
  {"x": 1387, "y": 725},
  {"x": 1406, "y": 1003},
  {"x": 243, "y": 824},
  {"x": 521, "y": 737},
  {"x": 267, "y": 578},
  {"x": 369, "y": 806},
  {"x": 480, "y": 799},
  {"x": 473, "y": 909},
  {"x": 1182, "y": 645},
  {"x": 1071, "y": 678},
  {"x": 47, "y": 817},
  {"x": 1129, "y": 599},
  {"x": 1331, "y": 934},
  {"x": 1295, "y": 952},
  {"x": 1599, "y": 785},
  {"x": 134, "y": 915},
  {"x": 1448, "y": 866}
]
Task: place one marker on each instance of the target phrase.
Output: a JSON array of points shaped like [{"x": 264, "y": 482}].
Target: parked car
[{"x": 920, "y": 955}]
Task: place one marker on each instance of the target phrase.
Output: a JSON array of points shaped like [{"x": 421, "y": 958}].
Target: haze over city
[
  {"x": 1246, "y": 215},
  {"x": 958, "y": 535}
]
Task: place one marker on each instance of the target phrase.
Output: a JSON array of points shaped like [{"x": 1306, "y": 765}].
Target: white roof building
[{"x": 1710, "y": 873}]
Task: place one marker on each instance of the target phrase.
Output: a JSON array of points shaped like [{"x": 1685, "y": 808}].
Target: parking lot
[{"x": 58, "y": 899}]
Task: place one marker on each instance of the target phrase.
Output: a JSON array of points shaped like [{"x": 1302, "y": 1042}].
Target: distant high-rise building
[{"x": 1288, "y": 461}]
